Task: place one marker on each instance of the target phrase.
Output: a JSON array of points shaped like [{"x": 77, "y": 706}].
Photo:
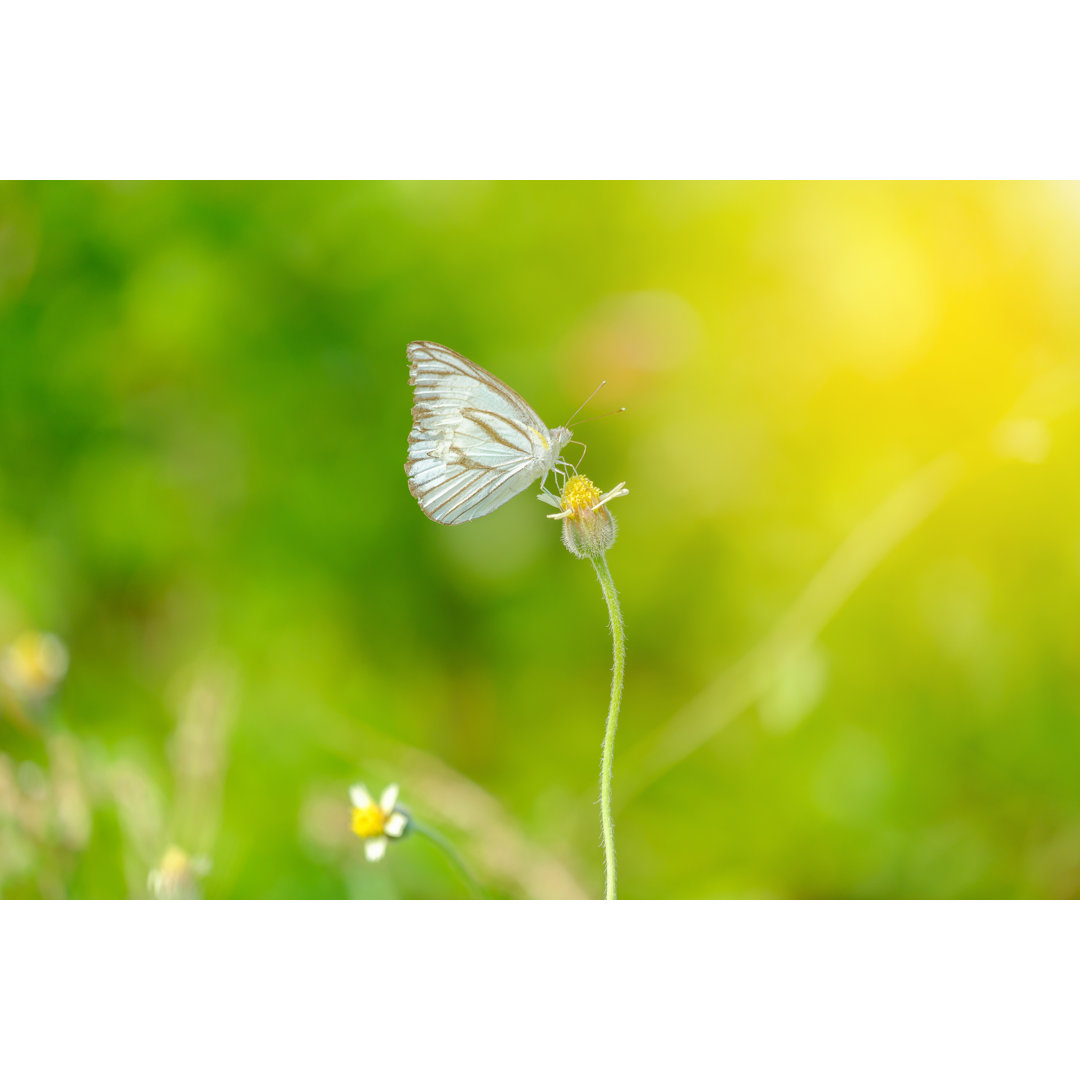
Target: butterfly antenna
[
  {"x": 590, "y": 419},
  {"x": 603, "y": 383}
]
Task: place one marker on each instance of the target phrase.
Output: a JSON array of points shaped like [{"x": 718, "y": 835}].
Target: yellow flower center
[
  {"x": 174, "y": 862},
  {"x": 368, "y": 821},
  {"x": 580, "y": 494}
]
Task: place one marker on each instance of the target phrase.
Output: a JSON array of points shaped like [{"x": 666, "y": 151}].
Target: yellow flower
[
  {"x": 176, "y": 876},
  {"x": 33, "y": 664},
  {"x": 376, "y": 822},
  {"x": 589, "y": 527}
]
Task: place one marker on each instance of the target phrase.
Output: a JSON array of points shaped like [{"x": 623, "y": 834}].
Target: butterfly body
[{"x": 475, "y": 443}]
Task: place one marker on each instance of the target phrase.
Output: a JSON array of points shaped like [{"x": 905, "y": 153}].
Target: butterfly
[{"x": 474, "y": 443}]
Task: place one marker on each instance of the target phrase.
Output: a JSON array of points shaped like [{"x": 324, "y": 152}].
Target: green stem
[
  {"x": 450, "y": 852},
  {"x": 618, "y": 642}
]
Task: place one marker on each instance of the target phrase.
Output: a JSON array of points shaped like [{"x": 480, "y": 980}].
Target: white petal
[
  {"x": 360, "y": 797},
  {"x": 375, "y": 848},
  {"x": 395, "y": 824},
  {"x": 614, "y": 493},
  {"x": 389, "y": 797}
]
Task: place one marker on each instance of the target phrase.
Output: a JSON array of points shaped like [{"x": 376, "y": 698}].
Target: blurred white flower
[
  {"x": 376, "y": 822},
  {"x": 176, "y": 877},
  {"x": 33, "y": 664}
]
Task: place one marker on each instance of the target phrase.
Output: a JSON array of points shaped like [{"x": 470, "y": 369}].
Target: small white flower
[
  {"x": 375, "y": 822},
  {"x": 580, "y": 495}
]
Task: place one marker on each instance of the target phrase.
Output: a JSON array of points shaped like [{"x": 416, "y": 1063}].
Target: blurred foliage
[{"x": 203, "y": 414}]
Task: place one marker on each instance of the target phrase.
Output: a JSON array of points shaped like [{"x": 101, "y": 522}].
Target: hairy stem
[{"x": 607, "y": 760}]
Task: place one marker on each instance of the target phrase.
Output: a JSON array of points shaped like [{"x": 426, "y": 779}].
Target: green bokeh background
[{"x": 203, "y": 416}]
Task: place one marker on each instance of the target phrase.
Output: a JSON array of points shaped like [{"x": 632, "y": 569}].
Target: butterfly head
[{"x": 560, "y": 436}]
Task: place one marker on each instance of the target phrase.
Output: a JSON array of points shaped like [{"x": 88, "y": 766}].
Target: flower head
[
  {"x": 33, "y": 664},
  {"x": 589, "y": 527},
  {"x": 376, "y": 822},
  {"x": 176, "y": 876}
]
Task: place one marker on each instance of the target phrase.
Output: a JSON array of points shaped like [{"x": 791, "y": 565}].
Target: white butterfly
[{"x": 474, "y": 443}]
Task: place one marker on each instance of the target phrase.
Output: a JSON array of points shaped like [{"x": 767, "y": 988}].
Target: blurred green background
[{"x": 849, "y": 563}]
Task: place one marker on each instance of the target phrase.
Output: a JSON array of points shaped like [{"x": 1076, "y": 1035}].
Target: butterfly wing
[{"x": 474, "y": 443}]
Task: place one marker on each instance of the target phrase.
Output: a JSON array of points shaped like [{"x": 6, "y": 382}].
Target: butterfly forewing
[{"x": 475, "y": 443}]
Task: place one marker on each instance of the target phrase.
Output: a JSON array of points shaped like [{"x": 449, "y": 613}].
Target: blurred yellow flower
[
  {"x": 176, "y": 877},
  {"x": 33, "y": 664},
  {"x": 376, "y": 822}
]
